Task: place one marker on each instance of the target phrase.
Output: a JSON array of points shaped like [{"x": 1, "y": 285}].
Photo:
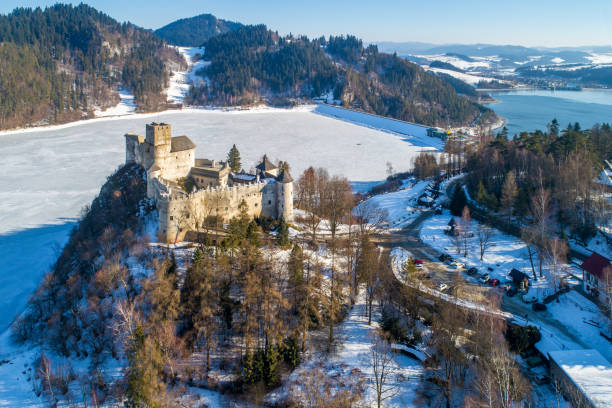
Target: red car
[
  {"x": 418, "y": 262},
  {"x": 494, "y": 282}
]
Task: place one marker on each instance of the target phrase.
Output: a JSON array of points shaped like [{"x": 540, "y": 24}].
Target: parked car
[
  {"x": 418, "y": 266},
  {"x": 511, "y": 292},
  {"x": 418, "y": 261},
  {"x": 485, "y": 278},
  {"x": 494, "y": 282},
  {"x": 438, "y": 211},
  {"x": 442, "y": 287},
  {"x": 538, "y": 307},
  {"x": 458, "y": 265},
  {"x": 472, "y": 271},
  {"x": 490, "y": 269},
  {"x": 445, "y": 258},
  {"x": 529, "y": 298}
]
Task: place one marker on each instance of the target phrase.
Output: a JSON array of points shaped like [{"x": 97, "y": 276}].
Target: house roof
[
  {"x": 266, "y": 165},
  {"x": 180, "y": 143},
  {"x": 595, "y": 264},
  {"x": 589, "y": 371},
  {"x": 517, "y": 275},
  {"x": 285, "y": 177}
]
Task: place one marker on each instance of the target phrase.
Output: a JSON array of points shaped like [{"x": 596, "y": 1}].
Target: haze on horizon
[{"x": 545, "y": 23}]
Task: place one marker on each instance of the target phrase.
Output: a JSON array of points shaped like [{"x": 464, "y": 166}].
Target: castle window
[
  {"x": 255, "y": 204},
  {"x": 171, "y": 217},
  {"x": 187, "y": 216},
  {"x": 269, "y": 201}
]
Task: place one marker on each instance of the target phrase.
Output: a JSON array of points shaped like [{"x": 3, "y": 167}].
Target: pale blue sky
[{"x": 521, "y": 22}]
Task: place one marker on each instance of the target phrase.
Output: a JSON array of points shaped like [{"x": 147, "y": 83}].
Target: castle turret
[
  {"x": 159, "y": 137},
  {"x": 284, "y": 195}
]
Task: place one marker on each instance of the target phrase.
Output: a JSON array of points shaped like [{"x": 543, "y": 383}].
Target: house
[
  {"x": 597, "y": 277},
  {"x": 520, "y": 279},
  {"x": 583, "y": 376}
]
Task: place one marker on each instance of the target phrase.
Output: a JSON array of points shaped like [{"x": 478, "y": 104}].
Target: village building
[
  {"x": 584, "y": 377},
  {"x": 193, "y": 194},
  {"x": 597, "y": 277}
]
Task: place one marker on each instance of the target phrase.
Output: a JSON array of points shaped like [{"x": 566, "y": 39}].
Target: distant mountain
[
  {"x": 60, "y": 63},
  {"x": 254, "y": 65},
  {"x": 194, "y": 31}
]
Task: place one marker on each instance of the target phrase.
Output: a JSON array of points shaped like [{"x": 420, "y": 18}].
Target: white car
[
  {"x": 458, "y": 265},
  {"x": 442, "y": 287}
]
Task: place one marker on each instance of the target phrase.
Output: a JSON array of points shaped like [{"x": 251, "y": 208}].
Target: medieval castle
[{"x": 190, "y": 192}]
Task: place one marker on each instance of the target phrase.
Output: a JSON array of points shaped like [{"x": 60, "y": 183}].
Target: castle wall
[
  {"x": 176, "y": 165},
  {"x": 179, "y": 212}
]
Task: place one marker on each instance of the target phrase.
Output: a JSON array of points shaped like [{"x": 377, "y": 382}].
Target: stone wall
[{"x": 180, "y": 212}]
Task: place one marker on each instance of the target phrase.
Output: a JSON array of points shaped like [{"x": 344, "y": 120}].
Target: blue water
[{"x": 528, "y": 110}]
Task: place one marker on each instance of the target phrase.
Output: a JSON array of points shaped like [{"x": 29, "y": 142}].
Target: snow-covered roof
[{"x": 589, "y": 371}]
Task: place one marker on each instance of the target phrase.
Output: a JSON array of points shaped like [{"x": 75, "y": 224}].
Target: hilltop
[{"x": 194, "y": 31}]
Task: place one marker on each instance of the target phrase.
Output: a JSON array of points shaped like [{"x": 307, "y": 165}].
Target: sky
[{"x": 519, "y": 22}]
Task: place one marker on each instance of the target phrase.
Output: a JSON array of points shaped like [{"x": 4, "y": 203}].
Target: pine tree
[
  {"x": 282, "y": 239},
  {"x": 458, "y": 201},
  {"x": 233, "y": 159},
  {"x": 484, "y": 197}
]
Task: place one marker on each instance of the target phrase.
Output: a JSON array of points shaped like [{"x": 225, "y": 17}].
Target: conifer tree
[
  {"x": 233, "y": 159},
  {"x": 282, "y": 238},
  {"x": 458, "y": 201}
]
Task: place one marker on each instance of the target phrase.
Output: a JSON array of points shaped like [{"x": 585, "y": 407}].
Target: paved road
[{"x": 408, "y": 238}]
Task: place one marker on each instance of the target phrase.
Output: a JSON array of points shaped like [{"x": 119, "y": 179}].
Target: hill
[
  {"x": 61, "y": 63},
  {"x": 194, "y": 31},
  {"x": 253, "y": 65}
]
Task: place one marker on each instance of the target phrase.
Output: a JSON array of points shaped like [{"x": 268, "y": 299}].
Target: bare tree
[
  {"x": 370, "y": 217},
  {"x": 484, "y": 234},
  {"x": 384, "y": 367},
  {"x": 556, "y": 251}
]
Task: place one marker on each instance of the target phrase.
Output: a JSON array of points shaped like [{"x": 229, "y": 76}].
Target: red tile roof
[{"x": 595, "y": 264}]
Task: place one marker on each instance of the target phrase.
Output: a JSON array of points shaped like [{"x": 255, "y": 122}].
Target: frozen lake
[{"x": 48, "y": 175}]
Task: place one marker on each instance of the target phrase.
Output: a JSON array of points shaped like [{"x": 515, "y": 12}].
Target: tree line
[
  {"x": 253, "y": 64},
  {"x": 61, "y": 62}
]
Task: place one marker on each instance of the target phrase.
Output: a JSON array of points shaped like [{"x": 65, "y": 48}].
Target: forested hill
[
  {"x": 60, "y": 63},
  {"x": 194, "y": 31},
  {"x": 253, "y": 64}
]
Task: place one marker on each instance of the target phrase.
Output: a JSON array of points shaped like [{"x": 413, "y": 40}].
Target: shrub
[{"x": 521, "y": 338}]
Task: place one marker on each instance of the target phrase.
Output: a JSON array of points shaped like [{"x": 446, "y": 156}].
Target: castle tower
[
  {"x": 284, "y": 195},
  {"x": 159, "y": 137}
]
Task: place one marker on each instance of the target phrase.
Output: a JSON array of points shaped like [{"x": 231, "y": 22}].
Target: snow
[
  {"x": 354, "y": 341},
  {"x": 414, "y": 133},
  {"x": 596, "y": 58},
  {"x": 576, "y": 312},
  {"x": 506, "y": 253},
  {"x": 589, "y": 371},
  {"x": 479, "y": 62},
  {"x": 181, "y": 81},
  {"x": 468, "y": 78},
  {"x": 126, "y": 106},
  {"x": 557, "y": 60},
  {"x": 400, "y": 205}
]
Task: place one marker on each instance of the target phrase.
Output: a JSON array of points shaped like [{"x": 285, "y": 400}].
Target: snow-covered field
[
  {"x": 471, "y": 79},
  {"x": 506, "y": 253}
]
